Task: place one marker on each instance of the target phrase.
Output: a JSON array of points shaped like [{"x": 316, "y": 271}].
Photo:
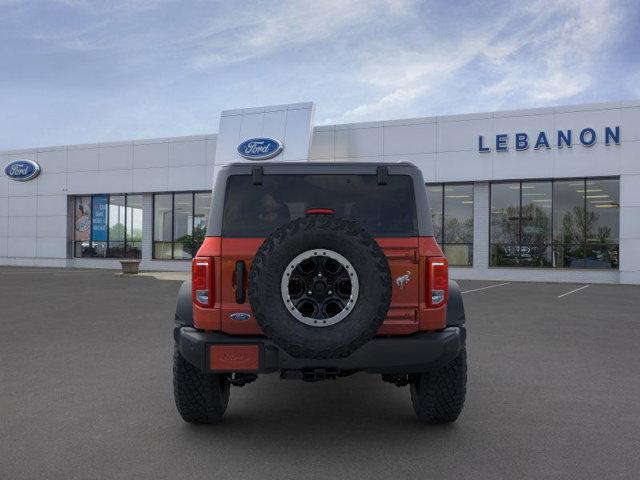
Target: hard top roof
[{"x": 402, "y": 167}]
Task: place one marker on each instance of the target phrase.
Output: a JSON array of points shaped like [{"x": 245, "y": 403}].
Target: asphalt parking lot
[{"x": 85, "y": 392}]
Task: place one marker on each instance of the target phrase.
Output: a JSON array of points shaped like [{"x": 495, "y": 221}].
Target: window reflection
[
  {"x": 180, "y": 224},
  {"x": 434, "y": 193},
  {"x": 451, "y": 208},
  {"x": 565, "y": 223},
  {"x": 108, "y": 226},
  {"x": 603, "y": 223},
  {"x": 82, "y": 226},
  {"x": 603, "y": 211},
  {"x": 536, "y": 201},
  {"x": 505, "y": 213},
  {"x": 505, "y": 224},
  {"x": 569, "y": 223},
  {"x": 162, "y": 225},
  {"x": 134, "y": 226},
  {"x": 117, "y": 218},
  {"x": 201, "y": 206}
]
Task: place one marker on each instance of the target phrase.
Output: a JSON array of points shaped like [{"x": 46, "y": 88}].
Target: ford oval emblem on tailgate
[{"x": 240, "y": 316}]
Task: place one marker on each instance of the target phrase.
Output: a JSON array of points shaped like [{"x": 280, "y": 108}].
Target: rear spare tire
[{"x": 320, "y": 287}]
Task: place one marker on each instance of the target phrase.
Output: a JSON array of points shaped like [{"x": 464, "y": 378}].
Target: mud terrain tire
[
  {"x": 438, "y": 397},
  {"x": 200, "y": 397},
  {"x": 302, "y": 235}
]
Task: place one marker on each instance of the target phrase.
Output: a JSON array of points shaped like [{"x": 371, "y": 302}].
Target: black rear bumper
[{"x": 420, "y": 352}]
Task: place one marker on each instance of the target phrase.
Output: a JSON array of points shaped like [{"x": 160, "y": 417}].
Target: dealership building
[{"x": 548, "y": 194}]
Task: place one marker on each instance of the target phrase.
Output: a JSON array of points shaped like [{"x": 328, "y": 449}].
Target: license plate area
[{"x": 234, "y": 357}]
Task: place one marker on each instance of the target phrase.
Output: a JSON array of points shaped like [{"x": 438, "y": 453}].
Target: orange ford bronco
[{"x": 317, "y": 271}]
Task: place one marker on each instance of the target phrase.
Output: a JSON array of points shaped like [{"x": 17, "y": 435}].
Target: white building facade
[{"x": 550, "y": 194}]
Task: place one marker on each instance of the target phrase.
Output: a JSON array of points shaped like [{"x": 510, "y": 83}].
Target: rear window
[{"x": 256, "y": 210}]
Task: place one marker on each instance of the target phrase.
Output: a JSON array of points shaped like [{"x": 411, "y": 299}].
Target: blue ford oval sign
[
  {"x": 260, "y": 148},
  {"x": 22, "y": 170}
]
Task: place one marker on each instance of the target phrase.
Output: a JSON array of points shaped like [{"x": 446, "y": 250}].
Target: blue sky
[{"x": 76, "y": 71}]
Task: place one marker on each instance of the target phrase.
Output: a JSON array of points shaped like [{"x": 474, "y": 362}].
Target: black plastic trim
[
  {"x": 184, "y": 306},
  {"x": 383, "y": 174},
  {"x": 239, "y": 279},
  {"x": 420, "y": 352},
  {"x": 455, "y": 306},
  {"x": 256, "y": 173}
]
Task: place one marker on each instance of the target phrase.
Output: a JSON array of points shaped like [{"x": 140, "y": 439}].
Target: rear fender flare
[
  {"x": 184, "y": 306},
  {"x": 455, "y": 306}
]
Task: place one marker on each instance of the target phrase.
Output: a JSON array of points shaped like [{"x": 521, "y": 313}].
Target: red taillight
[
  {"x": 437, "y": 281},
  {"x": 320, "y": 211},
  {"x": 202, "y": 281}
]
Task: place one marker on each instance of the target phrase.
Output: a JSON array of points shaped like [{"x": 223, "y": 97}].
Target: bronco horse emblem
[{"x": 403, "y": 279}]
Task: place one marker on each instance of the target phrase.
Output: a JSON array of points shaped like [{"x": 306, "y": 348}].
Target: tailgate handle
[{"x": 239, "y": 278}]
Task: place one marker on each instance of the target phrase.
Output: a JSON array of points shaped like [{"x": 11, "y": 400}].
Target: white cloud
[
  {"x": 544, "y": 52},
  {"x": 404, "y": 77},
  {"x": 556, "y": 62},
  {"x": 259, "y": 32},
  {"x": 158, "y": 68},
  {"x": 397, "y": 98}
]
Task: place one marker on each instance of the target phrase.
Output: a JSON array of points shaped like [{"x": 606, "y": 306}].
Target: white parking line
[
  {"x": 573, "y": 291},
  {"x": 484, "y": 288}
]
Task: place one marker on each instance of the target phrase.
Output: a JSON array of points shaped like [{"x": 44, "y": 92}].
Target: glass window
[
  {"x": 99, "y": 225},
  {"x": 82, "y": 226},
  {"x": 603, "y": 211},
  {"x": 108, "y": 226},
  {"x": 134, "y": 226},
  {"x": 451, "y": 208},
  {"x": 434, "y": 193},
  {"x": 569, "y": 223},
  {"x": 458, "y": 224},
  {"x": 603, "y": 223},
  {"x": 256, "y": 210},
  {"x": 505, "y": 224},
  {"x": 564, "y": 223},
  {"x": 505, "y": 213},
  {"x": 117, "y": 220},
  {"x": 535, "y": 243},
  {"x": 180, "y": 224},
  {"x": 162, "y": 225},
  {"x": 458, "y": 213},
  {"x": 568, "y": 212},
  {"x": 201, "y": 206}
]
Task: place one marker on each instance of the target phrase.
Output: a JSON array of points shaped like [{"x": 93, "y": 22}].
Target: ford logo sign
[
  {"x": 260, "y": 148},
  {"x": 240, "y": 316},
  {"x": 22, "y": 170}
]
